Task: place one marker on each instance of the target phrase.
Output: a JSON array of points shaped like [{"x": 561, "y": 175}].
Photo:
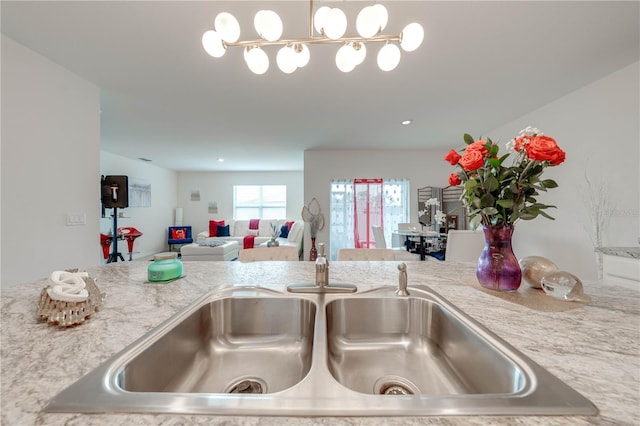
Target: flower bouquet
[{"x": 497, "y": 195}]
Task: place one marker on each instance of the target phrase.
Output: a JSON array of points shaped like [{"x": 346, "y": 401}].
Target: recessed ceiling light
[
  {"x": 220, "y": 160},
  {"x": 407, "y": 122}
]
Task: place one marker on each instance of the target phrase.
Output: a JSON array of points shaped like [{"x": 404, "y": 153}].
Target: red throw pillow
[
  {"x": 213, "y": 227},
  {"x": 178, "y": 234},
  {"x": 289, "y": 224}
]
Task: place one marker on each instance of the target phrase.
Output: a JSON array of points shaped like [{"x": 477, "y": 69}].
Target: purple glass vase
[{"x": 498, "y": 268}]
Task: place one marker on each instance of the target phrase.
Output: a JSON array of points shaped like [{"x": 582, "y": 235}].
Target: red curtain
[{"x": 367, "y": 205}]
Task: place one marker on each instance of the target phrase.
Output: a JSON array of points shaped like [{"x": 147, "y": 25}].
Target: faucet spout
[{"x": 321, "y": 284}]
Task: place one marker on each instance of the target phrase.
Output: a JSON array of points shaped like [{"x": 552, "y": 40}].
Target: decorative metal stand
[{"x": 114, "y": 255}]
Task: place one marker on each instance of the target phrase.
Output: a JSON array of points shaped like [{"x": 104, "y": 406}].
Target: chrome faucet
[
  {"x": 402, "y": 280},
  {"x": 322, "y": 284}
]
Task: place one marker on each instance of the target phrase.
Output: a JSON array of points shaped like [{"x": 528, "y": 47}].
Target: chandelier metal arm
[{"x": 313, "y": 40}]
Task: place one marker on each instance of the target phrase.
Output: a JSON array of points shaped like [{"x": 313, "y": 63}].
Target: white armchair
[{"x": 463, "y": 245}]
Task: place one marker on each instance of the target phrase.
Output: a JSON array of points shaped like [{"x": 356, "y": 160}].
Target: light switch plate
[{"x": 75, "y": 219}]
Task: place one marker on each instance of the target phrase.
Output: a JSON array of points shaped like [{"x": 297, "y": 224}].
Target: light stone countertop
[
  {"x": 633, "y": 252},
  {"x": 595, "y": 349}
]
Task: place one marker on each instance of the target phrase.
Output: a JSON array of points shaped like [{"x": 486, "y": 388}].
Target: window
[
  {"x": 341, "y": 224},
  {"x": 259, "y": 201}
]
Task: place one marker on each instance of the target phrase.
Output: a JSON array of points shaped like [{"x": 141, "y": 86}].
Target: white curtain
[{"x": 342, "y": 213}]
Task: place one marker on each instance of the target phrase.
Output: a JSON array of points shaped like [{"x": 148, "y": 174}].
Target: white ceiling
[{"x": 481, "y": 65}]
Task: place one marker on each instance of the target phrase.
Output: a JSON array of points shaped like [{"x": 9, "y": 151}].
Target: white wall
[
  {"x": 50, "y": 154},
  {"x": 151, "y": 221},
  {"x": 599, "y": 128},
  {"x": 218, "y": 187}
]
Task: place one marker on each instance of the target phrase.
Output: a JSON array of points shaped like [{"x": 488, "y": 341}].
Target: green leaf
[
  {"x": 475, "y": 221},
  {"x": 528, "y": 215},
  {"x": 546, "y": 215},
  {"x": 489, "y": 211},
  {"x": 491, "y": 183},
  {"x": 507, "y": 204},
  {"x": 549, "y": 183},
  {"x": 494, "y": 163},
  {"x": 487, "y": 200},
  {"x": 468, "y": 139}
]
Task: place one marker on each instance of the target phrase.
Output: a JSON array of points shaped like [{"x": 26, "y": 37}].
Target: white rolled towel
[{"x": 67, "y": 286}]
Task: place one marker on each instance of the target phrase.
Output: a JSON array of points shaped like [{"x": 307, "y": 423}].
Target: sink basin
[
  {"x": 413, "y": 346},
  {"x": 230, "y": 345},
  {"x": 253, "y": 351}
]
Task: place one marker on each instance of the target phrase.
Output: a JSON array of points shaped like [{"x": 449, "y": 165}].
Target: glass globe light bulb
[
  {"x": 346, "y": 58},
  {"x": 336, "y": 24},
  {"x": 302, "y": 55},
  {"x": 412, "y": 37},
  {"x": 382, "y": 15},
  {"x": 360, "y": 52},
  {"x": 388, "y": 57},
  {"x": 286, "y": 60},
  {"x": 257, "y": 60},
  {"x": 227, "y": 26},
  {"x": 212, "y": 43},
  {"x": 268, "y": 25},
  {"x": 366, "y": 22},
  {"x": 320, "y": 18}
]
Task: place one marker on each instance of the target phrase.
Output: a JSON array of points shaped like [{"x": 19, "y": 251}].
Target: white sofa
[{"x": 238, "y": 229}]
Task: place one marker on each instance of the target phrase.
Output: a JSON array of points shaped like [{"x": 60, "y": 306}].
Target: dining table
[{"x": 427, "y": 241}]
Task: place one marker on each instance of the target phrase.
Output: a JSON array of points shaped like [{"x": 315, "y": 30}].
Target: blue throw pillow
[
  {"x": 284, "y": 231},
  {"x": 223, "y": 231}
]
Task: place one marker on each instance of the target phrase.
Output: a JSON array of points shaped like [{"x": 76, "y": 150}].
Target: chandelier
[{"x": 330, "y": 24}]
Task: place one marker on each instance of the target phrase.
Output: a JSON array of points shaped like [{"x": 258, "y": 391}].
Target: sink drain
[
  {"x": 394, "y": 385},
  {"x": 247, "y": 385}
]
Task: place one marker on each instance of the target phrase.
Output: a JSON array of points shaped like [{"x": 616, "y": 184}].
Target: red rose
[
  {"x": 544, "y": 148},
  {"x": 452, "y": 157},
  {"x": 472, "y": 159},
  {"x": 454, "y": 179},
  {"x": 520, "y": 142},
  {"x": 477, "y": 146}
]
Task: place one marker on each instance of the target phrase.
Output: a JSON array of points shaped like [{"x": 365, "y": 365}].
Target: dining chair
[
  {"x": 400, "y": 253},
  {"x": 369, "y": 254},
  {"x": 463, "y": 245},
  {"x": 260, "y": 254}
]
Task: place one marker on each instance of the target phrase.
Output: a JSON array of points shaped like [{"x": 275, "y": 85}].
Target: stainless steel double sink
[{"x": 254, "y": 351}]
